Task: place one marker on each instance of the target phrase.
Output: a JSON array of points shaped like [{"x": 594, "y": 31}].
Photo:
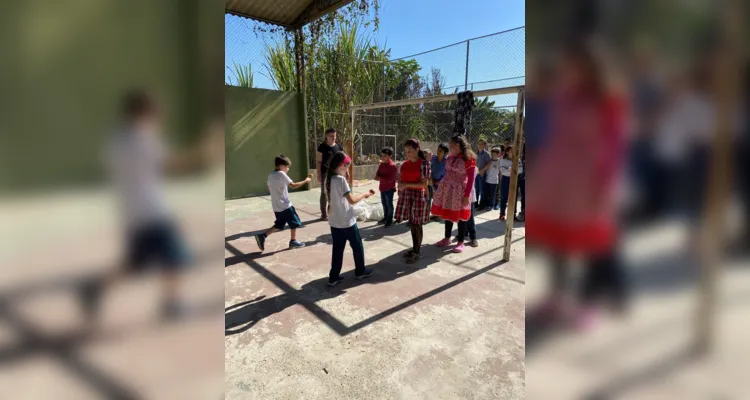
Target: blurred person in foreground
[
  {"x": 572, "y": 193},
  {"x": 137, "y": 158}
]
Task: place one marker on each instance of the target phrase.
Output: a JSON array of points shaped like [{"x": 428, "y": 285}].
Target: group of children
[
  {"x": 494, "y": 170},
  {"x": 450, "y": 185}
]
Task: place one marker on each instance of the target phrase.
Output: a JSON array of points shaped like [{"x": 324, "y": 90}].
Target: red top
[
  {"x": 573, "y": 209},
  {"x": 387, "y": 174},
  {"x": 412, "y": 172}
]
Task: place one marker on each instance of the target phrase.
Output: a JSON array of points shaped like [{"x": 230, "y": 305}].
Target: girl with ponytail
[
  {"x": 342, "y": 219},
  {"x": 452, "y": 200}
]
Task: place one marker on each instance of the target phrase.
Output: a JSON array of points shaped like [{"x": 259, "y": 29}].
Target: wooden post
[
  {"x": 517, "y": 144},
  {"x": 351, "y": 153},
  {"x": 726, "y": 78}
]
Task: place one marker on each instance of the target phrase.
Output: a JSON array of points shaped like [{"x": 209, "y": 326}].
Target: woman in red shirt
[{"x": 412, "y": 206}]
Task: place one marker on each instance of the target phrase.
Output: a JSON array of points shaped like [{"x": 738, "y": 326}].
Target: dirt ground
[{"x": 449, "y": 327}]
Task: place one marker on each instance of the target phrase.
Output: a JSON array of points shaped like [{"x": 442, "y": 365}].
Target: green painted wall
[
  {"x": 261, "y": 124},
  {"x": 66, "y": 65}
]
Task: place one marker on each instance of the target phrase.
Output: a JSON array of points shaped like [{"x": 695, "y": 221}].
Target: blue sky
[{"x": 408, "y": 27}]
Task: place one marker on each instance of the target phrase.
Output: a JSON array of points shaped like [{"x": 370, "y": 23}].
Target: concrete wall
[{"x": 261, "y": 124}]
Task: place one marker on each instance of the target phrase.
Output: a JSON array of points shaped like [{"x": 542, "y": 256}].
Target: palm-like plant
[
  {"x": 280, "y": 66},
  {"x": 243, "y": 75}
]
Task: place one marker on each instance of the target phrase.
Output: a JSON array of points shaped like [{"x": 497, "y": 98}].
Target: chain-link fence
[
  {"x": 431, "y": 123},
  {"x": 340, "y": 73}
]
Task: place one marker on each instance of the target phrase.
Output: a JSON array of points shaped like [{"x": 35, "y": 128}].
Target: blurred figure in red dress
[{"x": 572, "y": 196}]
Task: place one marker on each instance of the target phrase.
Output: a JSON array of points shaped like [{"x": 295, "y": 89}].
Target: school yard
[{"x": 450, "y": 326}]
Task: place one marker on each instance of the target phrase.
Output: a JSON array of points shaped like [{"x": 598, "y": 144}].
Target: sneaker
[
  {"x": 388, "y": 224},
  {"x": 409, "y": 253},
  {"x": 261, "y": 240},
  {"x": 585, "y": 319},
  {"x": 473, "y": 243},
  {"x": 459, "y": 248},
  {"x": 324, "y": 218},
  {"x": 334, "y": 282},
  {"x": 443, "y": 243},
  {"x": 382, "y": 222},
  {"x": 413, "y": 258},
  {"x": 364, "y": 275},
  {"x": 502, "y": 217},
  {"x": 293, "y": 244}
]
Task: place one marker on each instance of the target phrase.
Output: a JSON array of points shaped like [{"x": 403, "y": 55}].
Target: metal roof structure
[{"x": 286, "y": 13}]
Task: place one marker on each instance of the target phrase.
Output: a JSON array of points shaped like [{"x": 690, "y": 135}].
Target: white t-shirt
[
  {"x": 342, "y": 213},
  {"x": 505, "y": 166},
  {"x": 278, "y": 184},
  {"x": 136, "y": 160},
  {"x": 493, "y": 171},
  {"x": 473, "y": 196}
]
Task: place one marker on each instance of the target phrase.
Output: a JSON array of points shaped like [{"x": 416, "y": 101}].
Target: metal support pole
[
  {"x": 466, "y": 77},
  {"x": 351, "y": 153},
  {"x": 384, "y": 108},
  {"x": 511, "y": 215},
  {"x": 471, "y": 118},
  {"x": 315, "y": 110}
]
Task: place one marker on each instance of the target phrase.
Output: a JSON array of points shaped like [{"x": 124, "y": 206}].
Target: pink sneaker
[
  {"x": 459, "y": 248},
  {"x": 443, "y": 243},
  {"x": 585, "y": 319}
]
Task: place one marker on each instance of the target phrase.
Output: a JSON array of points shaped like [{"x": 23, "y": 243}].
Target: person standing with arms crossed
[{"x": 325, "y": 151}]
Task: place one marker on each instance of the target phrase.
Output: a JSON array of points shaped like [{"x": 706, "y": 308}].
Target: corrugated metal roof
[{"x": 287, "y": 13}]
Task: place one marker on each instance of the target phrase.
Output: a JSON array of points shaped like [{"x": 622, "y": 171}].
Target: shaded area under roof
[{"x": 286, "y": 13}]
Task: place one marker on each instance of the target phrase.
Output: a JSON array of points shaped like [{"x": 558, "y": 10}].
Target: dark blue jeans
[
  {"x": 478, "y": 188},
  {"x": 386, "y": 198},
  {"x": 340, "y": 237},
  {"x": 490, "y": 200},
  {"x": 471, "y": 227},
  {"x": 504, "y": 193}
]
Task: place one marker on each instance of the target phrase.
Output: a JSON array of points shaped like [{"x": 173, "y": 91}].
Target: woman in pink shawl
[{"x": 571, "y": 208}]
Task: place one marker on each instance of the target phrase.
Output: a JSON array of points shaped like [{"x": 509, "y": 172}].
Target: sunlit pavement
[
  {"x": 450, "y": 326},
  {"x": 648, "y": 354}
]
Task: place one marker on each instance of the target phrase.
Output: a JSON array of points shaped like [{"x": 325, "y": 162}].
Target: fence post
[
  {"x": 351, "y": 152},
  {"x": 471, "y": 117},
  {"x": 511, "y": 215},
  {"x": 315, "y": 111},
  {"x": 466, "y": 77},
  {"x": 383, "y": 137}
]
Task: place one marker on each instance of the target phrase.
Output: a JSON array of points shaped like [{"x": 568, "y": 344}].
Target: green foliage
[
  {"x": 280, "y": 66},
  {"x": 243, "y": 75}
]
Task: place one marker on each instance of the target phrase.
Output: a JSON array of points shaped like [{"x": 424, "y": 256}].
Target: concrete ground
[
  {"x": 50, "y": 243},
  {"x": 449, "y": 327},
  {"x": 648, "y": 353}
]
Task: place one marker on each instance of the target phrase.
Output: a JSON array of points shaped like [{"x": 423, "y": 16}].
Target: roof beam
[
  {"x": 435, "y": 99},
  {"x": 317, "y": 9},
  {"x": 243, "y": 15}
]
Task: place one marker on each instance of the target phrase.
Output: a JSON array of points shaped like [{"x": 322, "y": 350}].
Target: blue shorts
[
  {"x": 288, "y": 216},
  {"x": 158, "y": 242}
]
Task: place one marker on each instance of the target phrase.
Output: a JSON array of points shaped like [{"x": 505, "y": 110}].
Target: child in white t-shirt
[
  {"x": 505, "y": 166},
  {"x": 278, "y": 185},
  {"x": 491, "y": 173},
  {"x": 343, "y": 221}
]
